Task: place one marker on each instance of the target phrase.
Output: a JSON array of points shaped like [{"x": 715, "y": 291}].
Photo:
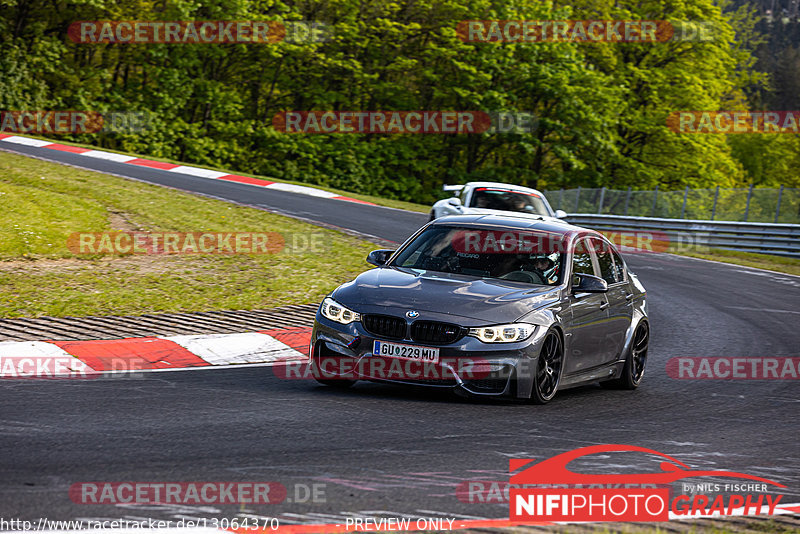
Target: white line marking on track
[
  {"x": 31, "y": 349},
  {"x": 26, "y": 141},
  {"x": 197, "y": 171},
  {"x": 32, "y": 359},
  {"x": 110, "y": 156},
  {"x": 303, "y": 190},
  {"x": 221, "y": 349}
]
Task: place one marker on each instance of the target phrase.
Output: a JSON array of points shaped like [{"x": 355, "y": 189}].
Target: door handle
[{"x": 603, "y": 305}]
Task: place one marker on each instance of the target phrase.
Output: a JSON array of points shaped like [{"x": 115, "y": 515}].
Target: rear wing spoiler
[{"x": 452, "y": 187}]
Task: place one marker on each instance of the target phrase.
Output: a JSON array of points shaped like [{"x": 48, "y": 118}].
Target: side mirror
[
  {"x": 561, "y": 214},
  {"x": 455, "y": 202},
  {"x": 379, "y": 257},
  {"x": 588, "y": 283}
]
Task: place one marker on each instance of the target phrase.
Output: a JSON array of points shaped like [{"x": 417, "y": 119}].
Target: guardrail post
[
  {"x": 655, "y": 199},
  {"x": 747, "y": 206},
  {"x": 577, "y": 196},
  {"x": 683, "y": 208},
  {"x": 602, "y": 197},
  {"x": 778, "y": 208},
  {"x": 714, "y": 208},
  {"x": 627, "y": 200}
]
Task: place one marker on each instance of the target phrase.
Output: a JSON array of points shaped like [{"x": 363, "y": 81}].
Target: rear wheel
[
  {"x": 635, "y": 362},
  {"x": 548, "y": 369},
  {"x": 433, "y": 216}
]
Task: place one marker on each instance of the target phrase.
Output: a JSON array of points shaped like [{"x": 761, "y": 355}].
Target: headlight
[
  {"x": 336, "y": 312},
  {"x": 504, "y": 333}
]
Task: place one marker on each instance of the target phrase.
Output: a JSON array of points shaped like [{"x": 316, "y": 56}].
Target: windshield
[
  {"x": 520, "y": 256},
  {"x": 506, "y": 200}
]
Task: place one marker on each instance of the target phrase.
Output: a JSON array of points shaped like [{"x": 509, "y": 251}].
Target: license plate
[{"x": 405, "y": 352}]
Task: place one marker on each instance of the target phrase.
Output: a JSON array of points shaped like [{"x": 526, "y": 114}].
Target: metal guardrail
[
  {"x": 765, "y": 238},
  {"x": 751, "y": 204}
]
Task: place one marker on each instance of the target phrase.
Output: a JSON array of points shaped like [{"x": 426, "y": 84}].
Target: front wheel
[
  {"x": 633, "y": 372},
  {"x": 548, "y": 369}
]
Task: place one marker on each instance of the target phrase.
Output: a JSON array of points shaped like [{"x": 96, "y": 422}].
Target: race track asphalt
[{"x": 384, "y": 450}]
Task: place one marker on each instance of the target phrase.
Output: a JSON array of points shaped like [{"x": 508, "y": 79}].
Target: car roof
[
  {"x": 527, "y": 222},
  {"x": 504, "y": 186}
]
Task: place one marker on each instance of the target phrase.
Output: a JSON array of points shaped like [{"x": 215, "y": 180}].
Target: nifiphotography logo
[{"x": 624, "y": 497}]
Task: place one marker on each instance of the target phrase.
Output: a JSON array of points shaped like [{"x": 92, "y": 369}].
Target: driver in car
[
  {"x": 519, "y": 204},
  {"x": 542, "y": 264}
]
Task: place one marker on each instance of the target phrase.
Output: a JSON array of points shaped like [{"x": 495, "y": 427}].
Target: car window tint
[
  {"x": 486, "y": 253},
  {"x": 619, "y": 266},
  {"x": 582, "y": 259},
  {"x": 504, "y": 200},
  {"x": 604, "y": 260}
]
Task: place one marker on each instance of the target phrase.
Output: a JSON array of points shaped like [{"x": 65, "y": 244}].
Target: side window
[
  {"x": 464, "y": 193},
  {"x": 582, "y": 259},
  {"x": 619, "y": 266},
  {"x": 605, "y": 261}
]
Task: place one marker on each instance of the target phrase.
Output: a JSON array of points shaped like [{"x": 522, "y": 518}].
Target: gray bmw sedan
[{"x": 488, "y": 305}]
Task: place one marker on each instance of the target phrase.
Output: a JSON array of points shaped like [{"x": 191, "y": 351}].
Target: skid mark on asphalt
[
  {"x": 781, "y": 279},
  {"x": 760, "y": 310}
]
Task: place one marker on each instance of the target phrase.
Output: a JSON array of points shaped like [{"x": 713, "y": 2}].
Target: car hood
[{"x": 442, "y": 296}]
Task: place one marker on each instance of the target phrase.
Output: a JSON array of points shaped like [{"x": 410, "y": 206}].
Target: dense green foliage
[{"x": 601, "y": 108}]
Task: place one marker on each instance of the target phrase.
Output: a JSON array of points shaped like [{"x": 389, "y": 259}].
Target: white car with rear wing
[{"x": 493, "y": 197}]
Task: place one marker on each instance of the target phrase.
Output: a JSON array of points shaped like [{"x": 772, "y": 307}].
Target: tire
[
  {"x": 635, "y": 361},
  {"x": 433, "y": 216},
  {"x": 549, "y": 364}
]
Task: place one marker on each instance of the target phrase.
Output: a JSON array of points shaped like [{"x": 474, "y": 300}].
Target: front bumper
[{"x": 468, "y": 366}]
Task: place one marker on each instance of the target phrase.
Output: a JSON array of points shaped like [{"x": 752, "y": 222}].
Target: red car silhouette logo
[{"x": 554, "y": 470}]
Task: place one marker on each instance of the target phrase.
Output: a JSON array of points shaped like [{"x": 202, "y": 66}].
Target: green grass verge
[
  {"x": 43, "y": 203},
  {"x": 389, "y": 203},
  {"x": 748, "y": 259}
]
